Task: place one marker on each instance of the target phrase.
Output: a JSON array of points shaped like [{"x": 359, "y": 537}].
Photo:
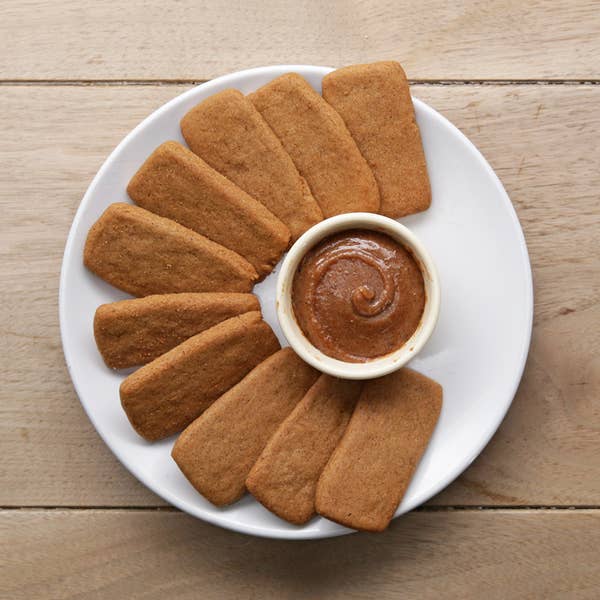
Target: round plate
[{"x": 477, "y": 351}]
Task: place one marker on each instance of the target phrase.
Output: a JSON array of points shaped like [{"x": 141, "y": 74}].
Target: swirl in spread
[{"x": 358, "y": 295}]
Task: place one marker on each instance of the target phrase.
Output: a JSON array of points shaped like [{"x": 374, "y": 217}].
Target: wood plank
[
  {"x": 546, "y": 153},
  {"x": 192, "y": 40},
  {"x": 543, "y": 142},
  {"x": 458, "y": 554},
  {"x": 52, "y": 454}
]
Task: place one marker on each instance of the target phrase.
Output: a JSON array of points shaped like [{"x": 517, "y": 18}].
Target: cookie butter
[{"x": 358, "y": 295}]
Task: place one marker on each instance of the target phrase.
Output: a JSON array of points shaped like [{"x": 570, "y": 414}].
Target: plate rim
[{"x": 214, "y": 518}]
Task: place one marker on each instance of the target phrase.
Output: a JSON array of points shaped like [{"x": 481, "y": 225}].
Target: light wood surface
[
  {"x": 426, "y": 555},
  {"x": 135, "y": 39},
  {"x": 75, "y": 77},
  {"x": 542, "y": 141}
]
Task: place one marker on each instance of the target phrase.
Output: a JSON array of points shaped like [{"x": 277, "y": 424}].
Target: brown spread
[{"x": 358, "y": 295}]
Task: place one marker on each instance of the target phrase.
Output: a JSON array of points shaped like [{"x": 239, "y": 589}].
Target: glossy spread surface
[{"x": 358, "y": 295}]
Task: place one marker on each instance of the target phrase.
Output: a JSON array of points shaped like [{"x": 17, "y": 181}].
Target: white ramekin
[{"x": 378, "y": 366}]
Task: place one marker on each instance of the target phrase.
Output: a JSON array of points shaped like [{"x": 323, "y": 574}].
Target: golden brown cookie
[
  {"x": 134, "y": 332},
  {"x": 231, "y": 136},
  {"x": 167, "y": 394},
  {"x": 142, "y": 254},
  {"x": 374, "y": 102},
  {"x": 218, "y": 449},
  {"x": 177, "y": 184},
  {"x": 285, "y": 475},
  {"x": 368, "y": 473},
  {"x": 320, "y": 145}
]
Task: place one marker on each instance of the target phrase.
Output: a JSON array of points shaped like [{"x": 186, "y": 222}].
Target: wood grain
[
  {"x": 507, "y": 39},
  {"x": 542, "y": 144},
  {"x": 463, "y": 554},
  {"x": 542, "y": 141},
  {"x": 74, "y": 79}
]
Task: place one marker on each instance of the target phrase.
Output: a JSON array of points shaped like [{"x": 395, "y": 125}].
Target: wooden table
[{"x": 521, "y": 80}]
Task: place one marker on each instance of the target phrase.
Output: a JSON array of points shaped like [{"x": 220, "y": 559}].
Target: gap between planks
[
  {"x": 423, "y": 509},
  {"x": 167, "y": 82}
]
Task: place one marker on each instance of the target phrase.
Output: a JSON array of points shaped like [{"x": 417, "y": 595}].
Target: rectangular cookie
[
  {"x": 177, "y": 184},
  {"x": 142, "y": 254},
  {"x": 218, "y": 449},
  {"x": 285, "y": 475},
  {"x": 228, "y": 132},
  {"x": 167, "y": 394},
  {"x": 320, "y": 145},
  {"x": 374, "y": 102},
  {"x": 368, "y": 473},
  {"x": 134, "y": 332}
]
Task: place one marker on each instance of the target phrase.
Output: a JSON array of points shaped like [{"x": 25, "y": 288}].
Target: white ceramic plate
[{"x": 477, "y": 351}]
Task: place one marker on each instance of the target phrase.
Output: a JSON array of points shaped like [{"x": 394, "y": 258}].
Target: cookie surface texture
[
  {"x": 285, "y": 476},
  {"x": 320, "y": 145},
  {"x": 369, "y": 471},
  {"x": 375, "y": 103},
  {"x": 177, "y": 184},
  {"x": 142, "y": 254},
  {"x": 217, "y": 451},
  {"x": 166, "y": 395},
  {"x": 229, "y": 133},
  {"x": 134, "y": 332}
]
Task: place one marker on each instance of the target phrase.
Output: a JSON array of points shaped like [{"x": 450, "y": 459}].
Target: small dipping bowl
[{"x": 377, "y": 366}]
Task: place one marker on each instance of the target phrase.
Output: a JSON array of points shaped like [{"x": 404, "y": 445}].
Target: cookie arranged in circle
[
  {"x": 166, "y": 395},
  {"x": 368, "y": 473},
  {"x": 229, "y": 133},
  {"x": 320, "y": 145},
  {"x": 375, "y": 103},
  {"x": 129, "y": 333},
  {"x": 142, "y": 254},
  {"x": 175, "y": 183},
  {"x": 217, "y": 451},
  {"x": 285, "y": 475}
]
